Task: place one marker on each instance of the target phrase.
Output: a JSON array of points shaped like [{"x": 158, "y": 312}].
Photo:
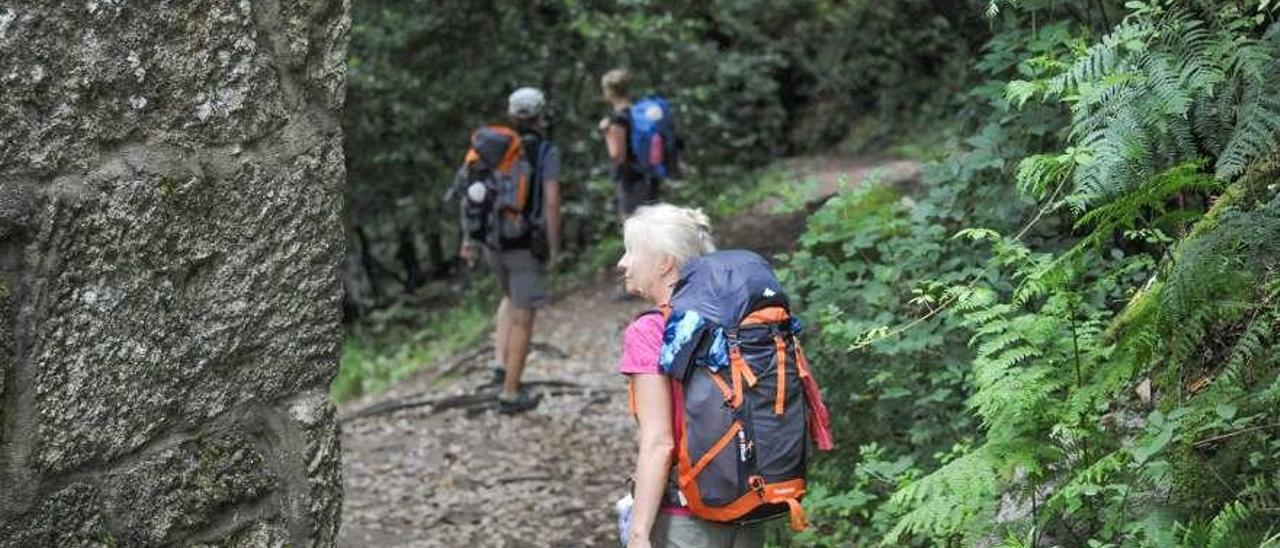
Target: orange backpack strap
[
  {"x": 740, "y": 372},
  {"x": 513, "y": 148},
  {"x": 786, "y": 492},
  {"x": 665, "y": 310},
  {"x": 768, "y": 315},
  {"x": 510, "y": 158},
  {"x": 780, "y": 399},
  {"x": 802, "y": 363},
  {"x": 631, "y": 395},
  {"x": 508, "y": 164},
  {"x": 720, "y": 384},
  {"x": 688, "y": 475}
]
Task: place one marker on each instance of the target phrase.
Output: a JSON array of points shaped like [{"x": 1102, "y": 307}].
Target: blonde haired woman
[
  {"x": 659, "y": 240},
  {"x": 632, "y": 188}
]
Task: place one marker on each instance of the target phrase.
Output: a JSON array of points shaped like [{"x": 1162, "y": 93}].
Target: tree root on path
[
  {"x": 459, "y": 363},
  {"x": 487, "y": 397}
]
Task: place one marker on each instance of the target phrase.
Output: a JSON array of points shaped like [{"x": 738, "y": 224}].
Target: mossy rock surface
[{"x": 170, "y": 232}]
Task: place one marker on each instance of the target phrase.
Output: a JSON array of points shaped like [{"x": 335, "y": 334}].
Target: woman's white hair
[{"x": 681, "y": 232}]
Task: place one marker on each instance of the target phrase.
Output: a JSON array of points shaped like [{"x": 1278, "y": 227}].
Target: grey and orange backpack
[
  {"x": 747, "y": 408},
  {"x": 500, "y": 191}
]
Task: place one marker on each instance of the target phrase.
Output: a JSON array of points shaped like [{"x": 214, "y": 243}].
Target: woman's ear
[{"x": 669, "y": 265}]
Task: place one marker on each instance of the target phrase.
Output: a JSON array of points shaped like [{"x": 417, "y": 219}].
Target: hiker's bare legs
[
  {"x": 519, "y": 336},
  {"x": 501, "y": 331}
]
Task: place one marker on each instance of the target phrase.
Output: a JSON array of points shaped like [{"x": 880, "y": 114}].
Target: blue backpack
[{"x": 653, "y": 137}]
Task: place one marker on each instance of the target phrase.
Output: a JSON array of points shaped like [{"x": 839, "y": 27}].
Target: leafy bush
[
  {"x": 1068, "y": 336},
  {"x": 748, "y": 84}
]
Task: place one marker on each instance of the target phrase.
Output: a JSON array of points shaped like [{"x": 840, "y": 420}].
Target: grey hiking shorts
[
  {"x": 689, "y": 532},
  {"x": 522, "y": 277}
]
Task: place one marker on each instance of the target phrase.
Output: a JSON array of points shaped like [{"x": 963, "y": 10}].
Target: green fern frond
[
  {"x": 1257, "y": 134},
  {"x": 949, "y": 502},
  {"x": 1039, "y": 174},
  {"x": 1212, "y": 278},
  {"x": 1152, "y": 196},
  {"x": 1254, "y": 341},
  {"x": 1246, "y": 58},
  {"x": 1085, "y": 482},
  {"x": 1213, "y": 116},
  {"x": 1236, "y": 525},
  {"x": 1102, "y": 58},
  {"x": 1124, "y": 155},
  {"x": 1256, "y": 65},
  {"x": 1001, "y": 342},
  {"x": 1269, "y": 398}
]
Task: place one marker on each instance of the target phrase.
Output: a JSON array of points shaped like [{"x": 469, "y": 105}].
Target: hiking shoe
[
  {"x": 523, "y": 401},
  {"x": 499, "y": 373}
]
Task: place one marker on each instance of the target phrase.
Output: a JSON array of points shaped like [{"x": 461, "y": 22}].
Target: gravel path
[
  {"x": 470, "y": 476},
  {"x": 467, "y": 476}
]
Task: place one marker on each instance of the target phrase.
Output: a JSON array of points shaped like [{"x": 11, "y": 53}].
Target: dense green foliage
[
  {"x": 1068, "y": 337},
  {"x": 750, "y": 81}
]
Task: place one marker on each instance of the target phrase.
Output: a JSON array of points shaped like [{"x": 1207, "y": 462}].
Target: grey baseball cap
[{"x": 526, "y": 102}]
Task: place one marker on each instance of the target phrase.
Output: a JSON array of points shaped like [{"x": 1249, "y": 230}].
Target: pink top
[{"x": 641, "y": 345}]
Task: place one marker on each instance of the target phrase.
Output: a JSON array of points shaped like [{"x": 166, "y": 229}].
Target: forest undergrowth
[{"x": 1068, "y": 337}]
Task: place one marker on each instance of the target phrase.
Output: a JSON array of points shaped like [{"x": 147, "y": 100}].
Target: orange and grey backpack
[
  {"x": 747, "y": 408},
  {"x": 500, "y": 193}
]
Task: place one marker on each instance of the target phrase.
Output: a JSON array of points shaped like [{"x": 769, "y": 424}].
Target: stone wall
[{"x": 171, "y": 179}]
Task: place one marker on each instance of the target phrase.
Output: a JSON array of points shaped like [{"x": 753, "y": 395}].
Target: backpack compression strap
[
  {"x": 510, "y": 157},
  {"x": 665, "y": 310},
  {"x": 535, "y": 178},
  {"x": 820, "y": 426}
]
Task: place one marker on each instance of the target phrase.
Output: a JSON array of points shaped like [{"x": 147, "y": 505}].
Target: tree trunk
[
  {"x": 407, "y": 253},
  {"x": 370, "y": 266},
  {"x": 435, "y": 254}
]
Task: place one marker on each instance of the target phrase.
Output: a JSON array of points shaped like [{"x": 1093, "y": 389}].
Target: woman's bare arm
[
  {"x": 653, "y": 461},
  {"x": 615, "y": 138}
]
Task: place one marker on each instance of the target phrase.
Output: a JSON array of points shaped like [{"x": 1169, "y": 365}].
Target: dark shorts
[
  {"x": 633, "y": 193},
  {"x": 522, "y": 277}
]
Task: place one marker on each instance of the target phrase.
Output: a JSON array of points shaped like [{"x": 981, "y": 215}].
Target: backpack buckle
[{"x": 757, "y": 484}]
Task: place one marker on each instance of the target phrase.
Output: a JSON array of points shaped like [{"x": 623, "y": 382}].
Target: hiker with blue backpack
[
  {"x": 509, "y": 186},
  {"x": 640, "y": 140},
  {"x": 720, "y": 388}
]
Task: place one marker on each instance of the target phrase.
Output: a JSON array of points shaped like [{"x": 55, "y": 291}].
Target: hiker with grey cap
[{"x": 510, "y": 196}]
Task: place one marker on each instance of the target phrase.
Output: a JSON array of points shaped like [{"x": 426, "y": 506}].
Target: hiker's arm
[
  {"x": 466, "y": 248},
  {"x": 552, "y": 206},
  {"x": 653, "y": 410},
  {"x": 615, "y": 139}
]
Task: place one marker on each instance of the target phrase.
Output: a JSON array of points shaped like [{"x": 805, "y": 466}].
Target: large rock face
[{"x": 171, "y": 180}]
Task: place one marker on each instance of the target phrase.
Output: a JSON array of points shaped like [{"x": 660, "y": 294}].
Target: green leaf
[
  {"x": 1157, "y": 444},
  {"x": 1226, "y": 411},
  {"x": 1019, "y": 91}
]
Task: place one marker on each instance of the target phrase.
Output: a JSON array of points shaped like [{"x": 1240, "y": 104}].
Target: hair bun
[{"x": 679, "y": 231}]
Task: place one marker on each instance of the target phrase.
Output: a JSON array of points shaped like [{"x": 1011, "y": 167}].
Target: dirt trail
[{"x": 419, "y": 475}]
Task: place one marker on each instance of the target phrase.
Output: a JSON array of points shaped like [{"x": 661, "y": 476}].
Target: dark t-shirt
[{"x": 626, "y": 170}]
